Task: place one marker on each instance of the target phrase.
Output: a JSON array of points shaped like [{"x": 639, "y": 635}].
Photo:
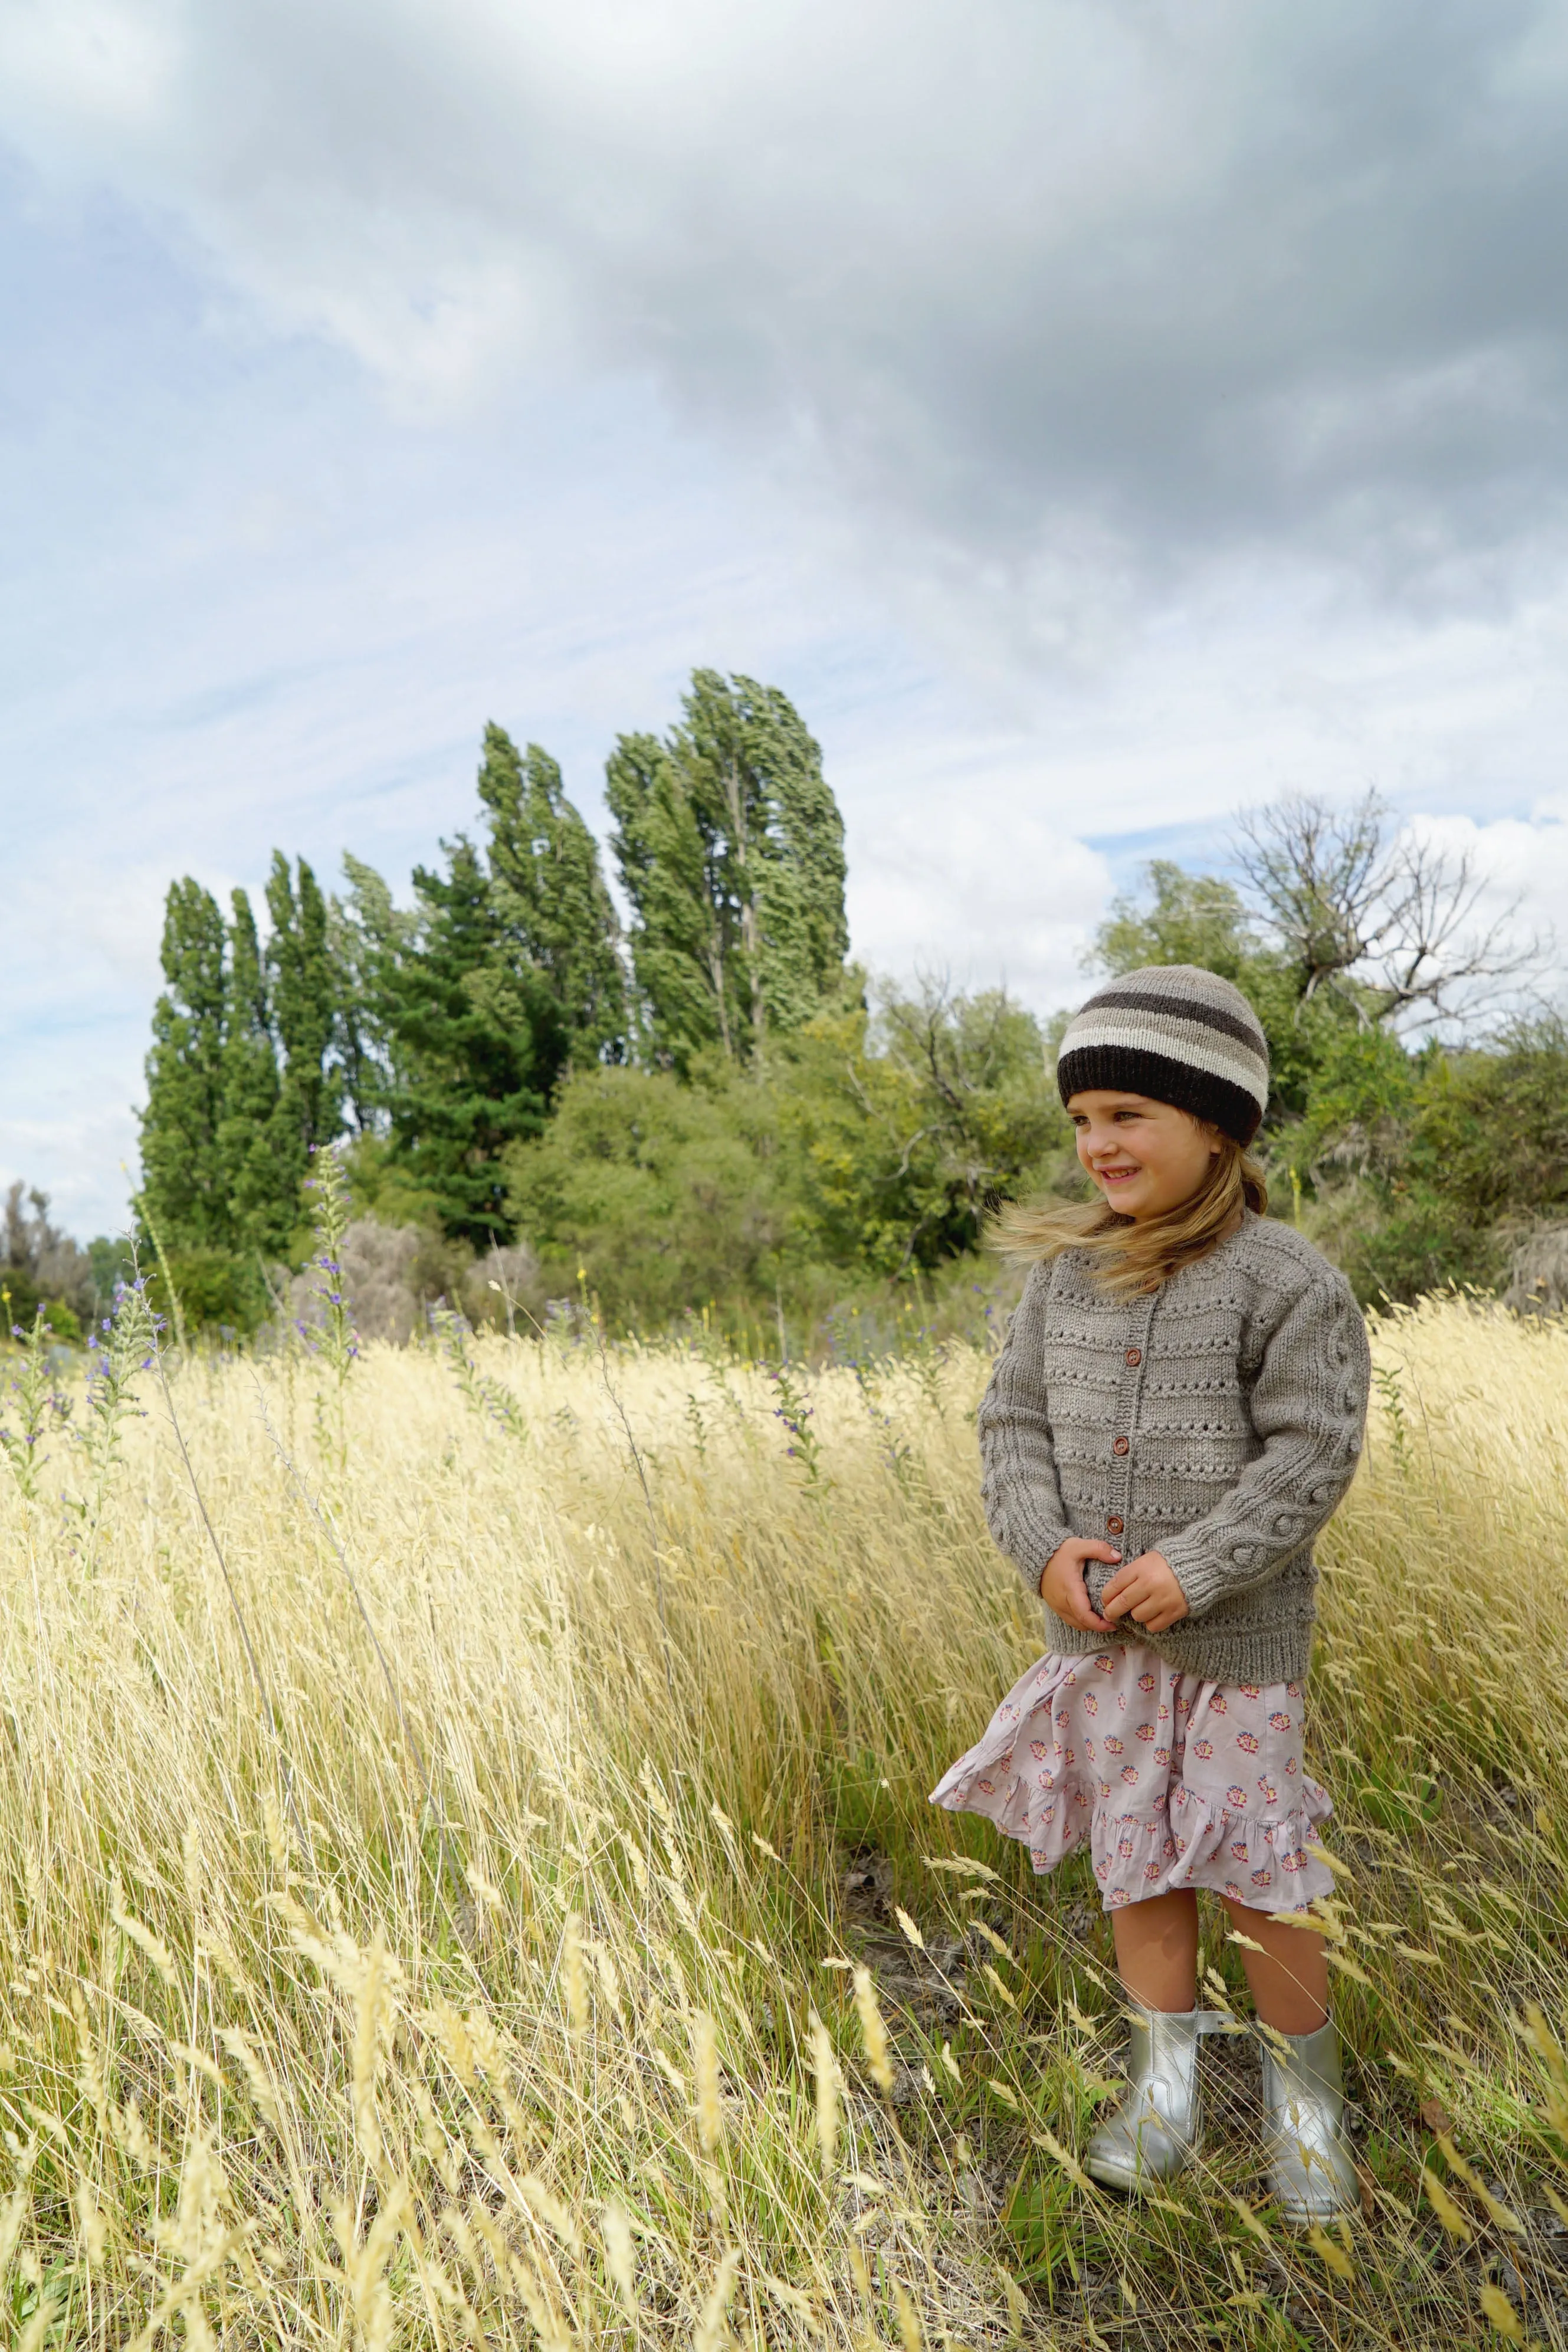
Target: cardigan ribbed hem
[{"x": 1273, "y": 1653}]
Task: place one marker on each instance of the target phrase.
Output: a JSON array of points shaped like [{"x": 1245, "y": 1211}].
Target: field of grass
[{"x": 467, "y": 1874}]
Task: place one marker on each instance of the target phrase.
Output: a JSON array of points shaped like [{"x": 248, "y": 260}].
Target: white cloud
[
  {"x": 1099, "y": 414},
  {"x": 1522, "y": 869},
  {"x": 982, "y": 887},
  {"x": 1124, "y": 283}
]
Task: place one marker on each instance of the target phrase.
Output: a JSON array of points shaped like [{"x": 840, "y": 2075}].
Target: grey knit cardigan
[{"x": 1217, "y": 1421}]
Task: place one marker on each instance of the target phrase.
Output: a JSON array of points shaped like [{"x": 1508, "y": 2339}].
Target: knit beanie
[{"x": 1178, "y": 1034}]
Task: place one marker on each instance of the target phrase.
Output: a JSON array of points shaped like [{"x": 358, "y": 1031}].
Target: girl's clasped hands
[{"x": 1146, "y": 1589}]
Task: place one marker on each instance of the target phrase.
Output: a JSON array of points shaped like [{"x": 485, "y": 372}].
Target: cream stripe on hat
[{"x": 1182, "y": 1040}]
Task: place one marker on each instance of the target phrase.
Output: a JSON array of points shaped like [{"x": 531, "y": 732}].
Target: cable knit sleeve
[
  {"x": 1309, "y": 1407},
  {"x": 1018, "y": 1485}
]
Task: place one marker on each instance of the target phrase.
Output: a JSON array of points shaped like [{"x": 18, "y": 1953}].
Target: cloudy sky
[{"x": 1096, "y": 416}]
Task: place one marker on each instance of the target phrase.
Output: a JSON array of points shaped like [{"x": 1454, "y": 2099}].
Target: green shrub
[
  {"x": 1426, "y": 1167},
  {"x": 23, "y": 1298},
  {"x": 665, "y": 1195},
  {"x": 216, "y": 1291}
]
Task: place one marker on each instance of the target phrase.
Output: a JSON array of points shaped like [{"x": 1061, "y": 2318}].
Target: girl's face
[{"x": 1146, "y": 1156}]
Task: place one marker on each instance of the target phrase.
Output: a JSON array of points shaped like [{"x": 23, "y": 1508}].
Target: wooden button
[
  {"x": 1113, "y": 1526},
  {"x": 1121, "y": 1446},
  {"x": 1134, "y": 1357}
]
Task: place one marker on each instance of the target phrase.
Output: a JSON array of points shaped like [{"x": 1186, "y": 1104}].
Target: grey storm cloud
[{"x": 1140, "y": 284}]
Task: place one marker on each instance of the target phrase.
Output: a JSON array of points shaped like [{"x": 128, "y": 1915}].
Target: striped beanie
[{"x": 1178, "y": 1034}]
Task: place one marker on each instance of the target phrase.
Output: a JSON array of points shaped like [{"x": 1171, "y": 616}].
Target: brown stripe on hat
[
  {"x": 1178, "y": 1034},
  {"x": 1186, "y": 1008}
]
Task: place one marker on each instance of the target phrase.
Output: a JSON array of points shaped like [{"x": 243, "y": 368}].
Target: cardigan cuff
[
  {"x": 1207, "y": 1574},
  {"x": 1051, "y": 1540},
  {"x": 1022, "y": 1530},
  {"x": 1029, "y": 1544},
  {"x": 1201, "y": 1576}
]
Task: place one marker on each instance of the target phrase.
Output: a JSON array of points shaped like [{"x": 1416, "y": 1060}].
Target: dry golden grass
[{"x": 534, "y": 1931}]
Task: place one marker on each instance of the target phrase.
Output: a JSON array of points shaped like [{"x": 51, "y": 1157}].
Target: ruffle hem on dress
[{"x": 1171, "y": 1782}]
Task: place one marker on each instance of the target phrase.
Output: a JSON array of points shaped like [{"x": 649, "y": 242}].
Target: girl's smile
[{"x": 1146, "y": 1156}]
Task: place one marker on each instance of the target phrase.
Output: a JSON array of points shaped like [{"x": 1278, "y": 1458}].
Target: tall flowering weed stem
[
  {"x": 927, "y": 1357},
  {"x": 39, "y": 1400},
  {"x": 895, "y": 1446},
  {"x": 121, "y": 1347},
  {"x": 144, "y": 1218},
  {"x": 1388, "y": 1380},
  {"x": 483, "y": 1394},
  {"x": 793, "y": 1407},
  {"x": 327, "y": 1329}
]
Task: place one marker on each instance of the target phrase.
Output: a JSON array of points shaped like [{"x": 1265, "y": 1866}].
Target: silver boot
[
  {"x": 1153, "y": 2133},
  {"x": 1311, "y": 2169}
]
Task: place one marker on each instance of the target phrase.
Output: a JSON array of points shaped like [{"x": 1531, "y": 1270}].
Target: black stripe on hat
[{"x": 1134, "y": 1070}]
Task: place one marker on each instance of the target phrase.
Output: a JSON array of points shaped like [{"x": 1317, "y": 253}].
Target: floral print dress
[{"x": 1171, "y": 1782}]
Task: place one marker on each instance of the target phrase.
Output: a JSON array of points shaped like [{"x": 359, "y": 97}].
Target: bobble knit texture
[{"x": 1240, "y": 1386}]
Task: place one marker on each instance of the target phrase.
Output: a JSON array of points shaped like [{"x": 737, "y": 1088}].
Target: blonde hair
[{"x": 1128, "y": 1255}]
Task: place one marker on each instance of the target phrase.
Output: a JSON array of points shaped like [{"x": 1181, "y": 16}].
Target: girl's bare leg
[
  {"x": 1288, "y": 1978},
  {"x": 1157, "y": 1950},
  {"x": 1157, "y": 1958}
]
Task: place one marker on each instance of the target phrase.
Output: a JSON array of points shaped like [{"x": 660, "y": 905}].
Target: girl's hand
[
  {"x": 1146, "y": 1589},
  {"x": 1062, "y": 1586}
]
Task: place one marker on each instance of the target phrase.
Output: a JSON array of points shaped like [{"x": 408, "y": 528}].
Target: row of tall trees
[
  {"x": 240, "y": 1087},
  {"x": 710, "y": 1104},
  {"x": 445, "y": 1029}
]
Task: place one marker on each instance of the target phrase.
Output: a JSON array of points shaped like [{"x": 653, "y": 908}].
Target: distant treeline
[
  {"x": 701, "y": 1104},
  {"x": 711, "y": 1105}
]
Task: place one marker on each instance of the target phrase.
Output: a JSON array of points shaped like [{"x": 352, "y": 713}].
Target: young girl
[{"x": 1177, "y": 1411}]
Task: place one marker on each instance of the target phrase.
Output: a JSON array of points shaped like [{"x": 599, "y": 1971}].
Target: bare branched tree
[
  {"x": 1393, "y": 925},
  {"x": 951, "y": 1044}
]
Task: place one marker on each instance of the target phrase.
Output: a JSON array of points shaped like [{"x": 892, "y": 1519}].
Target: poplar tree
[
  {"x": 479, "y": 1040},
  {"x": 730, "y": 847},
  {"x": 301, "y": 1000},
  {"x": 548, "y": 894},
  {"x": 183, "y": 1185},
  {"x": 366, "y": 936},
  {"x": 681, "y": 934},
  {"x": 260, "y": 1207}
]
